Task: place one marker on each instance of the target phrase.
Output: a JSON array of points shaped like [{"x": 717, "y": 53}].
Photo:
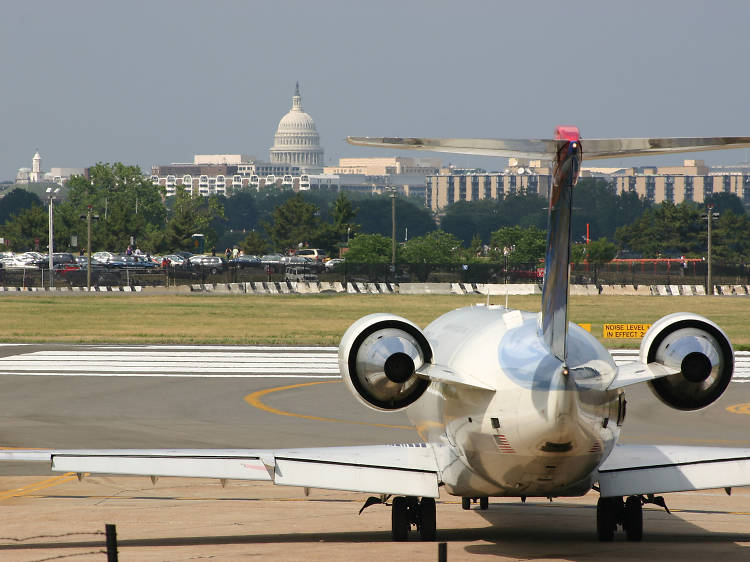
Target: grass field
[{"x": 290, "y": 319}]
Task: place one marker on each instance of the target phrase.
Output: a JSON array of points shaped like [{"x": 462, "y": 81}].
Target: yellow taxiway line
[
  {"x": 36, "y": 486},
  {"x": 254, "y": 400},
  {"x": 740, "y": 408}
]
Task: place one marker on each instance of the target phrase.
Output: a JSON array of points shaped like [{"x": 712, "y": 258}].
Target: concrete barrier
[
  {"x": 456, "y": 289},
  {"x": 385, "y": 288},
  {"x": 674, "y": 290},
  {"x": 424, "y": 288},
  {"x": 259, "y": 287}
]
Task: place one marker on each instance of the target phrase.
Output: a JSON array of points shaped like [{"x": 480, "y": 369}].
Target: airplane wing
[
  {"x": 593, "y": 149},
  {"x": 380, "y": 469},
  {"x": 653, "y": 469}
]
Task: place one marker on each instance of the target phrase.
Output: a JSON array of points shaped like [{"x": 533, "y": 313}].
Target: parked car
[
  {"x": 332, "y": 263},
  {"x": 212, "y": 264},
  {"x": 109, "y": 259},
  {"x": 135, "y": 261},
  {"x": 28, "y": 260},
  {"x": 272, "y": 261},
  {"x": 242, "y": 262},
  {"x": 301, "y": 261},
  {"x": 299, "y": 273},
  {"x": 176, "y": 260}
]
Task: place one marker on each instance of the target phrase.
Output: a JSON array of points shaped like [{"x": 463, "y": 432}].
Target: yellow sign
[
  {"x": 614, "y": 331},
  {"x": 586, "y": 327}
]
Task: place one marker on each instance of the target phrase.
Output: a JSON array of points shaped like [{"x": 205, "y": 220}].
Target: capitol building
[{"x": 296, "y": 141}]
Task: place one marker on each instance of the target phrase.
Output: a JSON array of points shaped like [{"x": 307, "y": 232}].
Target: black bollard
[
  {"x": 111, "y": 542},
  {"x": 442, "y": 552}
]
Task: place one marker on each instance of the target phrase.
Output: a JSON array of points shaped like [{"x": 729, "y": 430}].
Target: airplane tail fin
[{"x": 557, "y": 258}]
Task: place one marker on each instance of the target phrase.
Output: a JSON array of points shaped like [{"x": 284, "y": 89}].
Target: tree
[
  {"x": 15, "y": 202},
  {"x": 190, "y": 214},
  {"x": 127, "y": 203},
  {"x": 254, "y": 244},
  {"x": 369, "y": 248},
  {"x": 293, "y": 222},
  {"x": 25, "y": 228},
  {"x": 730, "y": 238},
  {"x": 599, "y": 252},
  {"x": 436, "y": 247},
  {"x": 343, "y": 214},
  {"x": 374, "y": 216},
  {"x": 723, "y": 202},
  {"x": 524, "y": 245},
  {"x": 665, "y": 229}
]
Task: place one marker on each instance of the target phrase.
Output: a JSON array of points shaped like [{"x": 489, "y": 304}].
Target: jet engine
[
  {"x": 696, "y": 347},
  {"x": 378, "y": 357}
]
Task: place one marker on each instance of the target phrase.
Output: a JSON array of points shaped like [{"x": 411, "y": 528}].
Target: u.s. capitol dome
[{"x": 296, "y": 141}]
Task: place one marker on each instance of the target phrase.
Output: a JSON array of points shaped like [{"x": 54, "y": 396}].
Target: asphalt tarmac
[{"x": 178, "y": 519}]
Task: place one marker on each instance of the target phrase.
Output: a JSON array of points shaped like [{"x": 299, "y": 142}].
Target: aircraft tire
[
  {"x": 400, "y": 519},
  {"x": 428, "y": 519},
  {"x": 484, "y": 503},
  {"x": 465, "y": 503},
  {"x": 633, "y": 519},
  {"x": 606, "y": 519}
]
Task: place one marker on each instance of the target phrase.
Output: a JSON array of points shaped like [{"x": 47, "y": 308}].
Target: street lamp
[
  {"x": 88, "y": 216},
  {"x": 708, "y": 217},
  {"x": 51, "y": 198}
]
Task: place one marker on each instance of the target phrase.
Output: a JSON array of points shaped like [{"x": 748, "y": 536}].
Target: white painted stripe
[{"x": 218, "y": 347}]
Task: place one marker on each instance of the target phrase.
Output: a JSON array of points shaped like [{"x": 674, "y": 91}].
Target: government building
[{"x": 693, "y": 181}]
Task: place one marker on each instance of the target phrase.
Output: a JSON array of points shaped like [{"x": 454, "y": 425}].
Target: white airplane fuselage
[{"x": 541, "y": 432}]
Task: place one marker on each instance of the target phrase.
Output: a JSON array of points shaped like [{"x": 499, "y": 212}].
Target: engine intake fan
[
  {"x": 696, "y": 347},
  {"x": 378, "y": 357}
]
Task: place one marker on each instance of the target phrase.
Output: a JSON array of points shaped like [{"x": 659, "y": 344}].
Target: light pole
[
  {"x": 88, "y": 216},
  {"x": 709, "y": 216},
  {"x": 392, "y": 195},
  {"x": 51, "y": 197}
]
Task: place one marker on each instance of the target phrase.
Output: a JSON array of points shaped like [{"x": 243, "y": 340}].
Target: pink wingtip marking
[{"x": 567, "y": 132}]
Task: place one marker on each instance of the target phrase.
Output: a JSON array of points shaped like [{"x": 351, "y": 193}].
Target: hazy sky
[{"x": 156, "y": 82}]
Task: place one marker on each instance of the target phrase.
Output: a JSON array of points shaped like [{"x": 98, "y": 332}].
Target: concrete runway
[{"x": 277, "y": 401}]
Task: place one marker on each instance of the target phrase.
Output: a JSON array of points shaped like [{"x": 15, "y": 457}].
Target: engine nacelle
[
  {"x": 378, "y": 357},
  {"x": 699, "y": 349}
]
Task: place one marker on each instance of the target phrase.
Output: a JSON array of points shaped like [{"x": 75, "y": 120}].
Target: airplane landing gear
[
  {"x": 408, "y": 511},
  {"x": 484, "y": 502},
  {"x": 611, "y": 512}
]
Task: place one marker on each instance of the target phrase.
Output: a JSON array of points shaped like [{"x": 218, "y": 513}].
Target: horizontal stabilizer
[
  {"x": 656, "y": 469},
  {"x": 441, "y": 374},
  {"x": 637, "y": 372},
  {"x": 520, "y": 148},
  {"x": 593, "y": 149}
]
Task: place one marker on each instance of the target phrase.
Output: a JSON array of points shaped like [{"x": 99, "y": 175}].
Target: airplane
[{"x": 507, "y": 403}]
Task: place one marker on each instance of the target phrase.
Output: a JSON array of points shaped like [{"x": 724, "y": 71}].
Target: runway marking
[
  {"x": 740, "y": 408},
  {"x": 35, "y": 487},
  {"x": 254, "y": 400}
]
